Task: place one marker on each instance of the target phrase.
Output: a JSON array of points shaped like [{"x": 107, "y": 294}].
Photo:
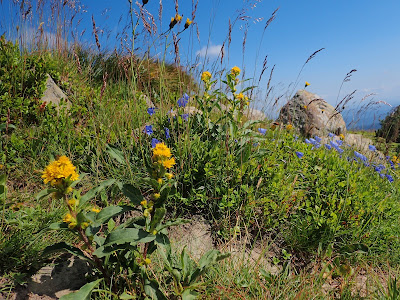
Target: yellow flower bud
[
  {"x": 96, "y": 210},
  {"x": 169, "y": 175},
  {"x": 235, "y": 71},
  {"x": 206, "y": 76},
  {"x": 147, "y": 261},
  {"x": 159, "y": 180},
  {"x": 156, "y": 196},
  {"x": 67, "y": 218},
  {"x": 144, "y": 203},
  {"x": 146, "y": 213},
  {"x": 154, "y": 232}
]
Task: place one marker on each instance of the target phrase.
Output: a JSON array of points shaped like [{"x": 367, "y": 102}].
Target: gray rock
[
  {"x": 60, "y": 278},
  {"x": 53, "y": 94},
  {"x": 254, "y": 114},
  {"x": 312, "y": 115}
]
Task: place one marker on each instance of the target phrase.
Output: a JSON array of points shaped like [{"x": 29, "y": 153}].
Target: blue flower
[
  {"x": 151, "y": 111},
  {"x": 148, "y": 129},
  {"x": 372, "y": 147},
  {"x": 167, "y": 136},
  {"x": 262, "y": 130},
  {"x": 307, "y": 141},
  {"x": 256, "y": 144},
  {"x": 183, "y": 101},
  {"x": 340, "y": 150},
  {"x": 299, "y": 154},
  {"x": 360, "y": 156},
  {"x": 339, "y": 142},
  {"x": 327, "y": 146},
  {"x": 154, "y": 142},
  {"x": 185, "y": 116},
  {"x": 296, "y": 137},
  {"x": 331, "y": 135},
  {"x": 382, "y": 175},
  {"x": 318, "y": 139},
  {"x": 390, "y": 178}
]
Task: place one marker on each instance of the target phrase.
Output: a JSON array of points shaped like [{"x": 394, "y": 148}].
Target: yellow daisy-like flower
[
  {"x": 306, "y": 84},
  {"x": 161, "y": 150},
  {"x": 206, "y": 76},
  {"x": 60, "y": 169},
  {"x": 341, "y": 136},
  {"x": 235, "y": 71},
  {"x": 178, "y": 17},
  {"x": 239, "y": 96},
  {"x": 169, "y": 163},
  {"x": 67, "y": 218}
]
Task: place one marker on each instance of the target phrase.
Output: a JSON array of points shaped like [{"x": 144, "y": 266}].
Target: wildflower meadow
[{"x": 144, "y": 146}]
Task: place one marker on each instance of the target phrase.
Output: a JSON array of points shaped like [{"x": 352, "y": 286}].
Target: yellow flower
[
  {"x": 341, "y": 136},
  {"x": 161, "y": 150},
  {"x": 169, "y": 163},
  {"x": 73, "y": 202},
  {"x": 289, "y": 126},
  {"x": 306, "y": 84},
  {"x": 146, "y": 213},
  {"x": 178, "y": 18},
  {"x": 157, "y": 196},
  {"x": 169, "y": 175},
  {"x": 305, "y": 106},
  {"x": 1, "y": 166},
  {"x": 235, "y": 71},
  {"x": 159, "y": 180},
  {"x": 72, "y": 225},
  {"x": 96, "y": 210},
  {"x": 206, "y": 76},
  {"x": 59, "y": 170},
  {"x": 67, "y": 218},
  {"x": 239, "y": 96},
  {"x": 144, "y": 203},
  {"x": 147, "y": 261},
  {"x": 188, "y": 23}
]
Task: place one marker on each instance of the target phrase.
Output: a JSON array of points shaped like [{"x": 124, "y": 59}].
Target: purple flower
[
  {"x": 307, "y": 141},
  {"x": 154, "y": 142},
  {"x": 148, "y": 129},
  {"x": 299, "y": 154},
  {"x": 360, "y": 156},
  {"x": 166, "y": 133},
  {"x": 262, "y": 130},
  {"x": 382, "y": 175},
  {"x": 389, "y": 177},
  {"x": 331, "y": 135},
  {"x": 318, "y": 139},
  {"x": 182, "y": 102},
  {"x": 339, "y": 142},
  {"x": 151, "y": 111},
  {"x": 327, "y": 146},
  {"x": 372, "y": 147},
  {"x": 296, "y": 137},
  {"x": 185, "y": 116}
]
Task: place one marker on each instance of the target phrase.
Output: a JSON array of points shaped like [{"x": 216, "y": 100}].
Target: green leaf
[
  {"x": 158, "y": 217},
  {"x": 152, "y": 290},
  {"x": 177, "y": 222},
  {"x": 3, "y": 179},
  {"x": 109, "y": 212},
  {"x": 93, "y": 192},
  {"x": 45, "y": 193},
  {"x": 185, "y": 264},
  {"x": 117, "y": 154},
  {"x": 134, "y": 194},
  {"x": 189, "y": 294},
  {"x": 126, "y": 296},
  {"x": 62, "y": 246},
  {"x": 58, "y": 226},
  {"x": 83, "y": 293}
]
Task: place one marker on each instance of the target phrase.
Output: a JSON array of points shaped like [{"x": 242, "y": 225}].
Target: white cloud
[{"x": 210, "y": 51}]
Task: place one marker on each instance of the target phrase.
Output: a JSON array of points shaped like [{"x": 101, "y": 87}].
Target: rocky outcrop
[
  {"x": 53, "y": 94},
  {"x": 312, "y": 115}
]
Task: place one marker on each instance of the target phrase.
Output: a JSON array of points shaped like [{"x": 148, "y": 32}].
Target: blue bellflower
[{"x": 148, "y": 129}]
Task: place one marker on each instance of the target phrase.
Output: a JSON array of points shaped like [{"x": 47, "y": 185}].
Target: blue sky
[{"x": 356, "y": 34}]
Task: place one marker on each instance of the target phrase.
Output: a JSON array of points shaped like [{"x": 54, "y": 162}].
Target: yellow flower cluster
[
  {"x": 289, "y": 126},
  {"x": 188, "y": 23},
  {"x": 206, "y": 76},
  {"x": 235, "y": 71},
  {"x": 162, "y": 156},
  {"x": 60, "y": 169},
  {"x": 175, "y": 20}
]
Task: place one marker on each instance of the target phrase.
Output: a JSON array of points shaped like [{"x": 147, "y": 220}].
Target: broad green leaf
[
  {"x": 109, "y": 212},
  {"x": 189, "y": 294},
  {"x": 152, "y": 290},
  {"x": 3, "y": 179},
  {"x": 126, "y": 296},
  {"x": 93, "y": 192},
  {"x": 58, "y": 225},
  {"x": 158, "y": 217},
  {"x": 45, "y": 193},
  {"x": 84, "y": 292},
  {"x": 134, "y": 195},
  {"x": 129, "y": 235},
  {"x": 117, "y": 154},
  {"x": 62, "y": 246}
]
